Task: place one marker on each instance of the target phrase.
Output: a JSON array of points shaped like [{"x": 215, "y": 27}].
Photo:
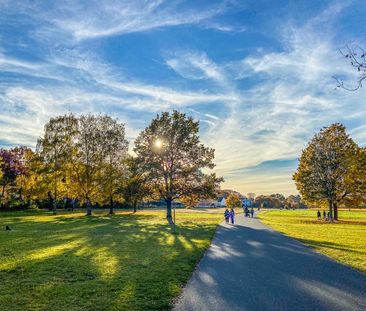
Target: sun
[{"x": 158, "y": 143}]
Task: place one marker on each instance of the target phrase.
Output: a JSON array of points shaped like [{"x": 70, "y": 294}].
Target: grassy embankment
[
  {"x": 121, "y": 262},
  {"x": 344, "y": 240}
]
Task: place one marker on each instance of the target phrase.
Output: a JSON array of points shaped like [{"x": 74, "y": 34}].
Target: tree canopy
[
  {"x": 172, "y": 158},
  {"x": 233, "y": 200},
  {"x": 328, "y": 167}
]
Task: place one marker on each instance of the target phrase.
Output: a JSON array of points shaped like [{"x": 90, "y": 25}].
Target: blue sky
[{"x": 257, "y": 74}]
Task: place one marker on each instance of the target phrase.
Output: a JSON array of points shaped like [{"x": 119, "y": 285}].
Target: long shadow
[
  {"x": 259, "y": 269},
  {"x": 149, "y": 263}
]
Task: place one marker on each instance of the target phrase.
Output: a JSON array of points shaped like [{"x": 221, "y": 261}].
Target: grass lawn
[
  {"x": 121, "y": 262},
  {"x": 344, "y": 241}
]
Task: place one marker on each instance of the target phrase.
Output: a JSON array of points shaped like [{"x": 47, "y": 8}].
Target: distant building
[
  {"x": 221, "y": 201},
  {"x": 207, "y": 203}
]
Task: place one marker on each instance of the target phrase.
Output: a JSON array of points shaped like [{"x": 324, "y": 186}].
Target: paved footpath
[{"x": 251, "y": 267}]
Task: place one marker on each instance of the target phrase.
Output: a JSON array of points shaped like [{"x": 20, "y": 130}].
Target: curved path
[{"x": 250, "y": 267}]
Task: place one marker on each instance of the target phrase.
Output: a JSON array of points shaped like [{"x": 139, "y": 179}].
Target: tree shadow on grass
[
  {"x": 123, "y": 262},
  {"x": 326, "y": 244}
]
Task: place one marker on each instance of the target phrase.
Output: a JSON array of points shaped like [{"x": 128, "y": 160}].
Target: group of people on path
[
  {"x": 230, "y": 215},
  {"x": 248, "y": 213},
  {"x": 326, "y": 216}
]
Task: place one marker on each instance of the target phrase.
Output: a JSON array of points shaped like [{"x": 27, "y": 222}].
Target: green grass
[
  {"x": 121, "y": 262},
  {"x": 344, "y": 241}
]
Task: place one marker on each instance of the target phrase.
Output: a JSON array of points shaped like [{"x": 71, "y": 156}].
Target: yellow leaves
[{"x": 233, "y": 200}]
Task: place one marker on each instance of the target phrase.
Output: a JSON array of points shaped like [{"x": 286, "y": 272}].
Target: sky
[{"x": 258, "y": 75}]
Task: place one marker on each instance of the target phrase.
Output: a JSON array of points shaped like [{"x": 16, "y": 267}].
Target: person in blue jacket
[
  {"x": 227, "y": 215},
  {"x": 232, "y": 215}
]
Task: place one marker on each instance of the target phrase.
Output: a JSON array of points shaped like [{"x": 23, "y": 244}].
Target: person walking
[
  {"x": 324, "y": 215},
  {"x": 252, "y": 212},
  {"x": 232, "y": 216},
  {"x": 227, "y": 215},
  {"x": 319, "y": 215}
]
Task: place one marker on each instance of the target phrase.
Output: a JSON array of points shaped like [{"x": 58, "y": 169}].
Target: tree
[
  {"x": 293, "y": 201},
  {"x": 99, "y": 146},
  {"x": 233, "y": 200},
  {"x": 1, "y": 170},
  {"x": 134, "y": 188},
  {"x": 356, "y": 179},
  {"x": 55, "y": 148},
  {"x": 26, "y": 183},
  {"x": 278, "y": 196},
  {"x": 357, "y": 59},
  {"x": 251, "y": 196},
  {"x": 114, "y": 168},
  {"x": 323, "y": 174},
  {"x": 12, "y": 166},
  {"x": 172, "y": 158}
]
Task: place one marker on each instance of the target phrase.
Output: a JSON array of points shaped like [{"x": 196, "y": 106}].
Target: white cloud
[
  {"x": 291, "y": 96},
  {"x": 196, "y": 66},
  {"x": 293, "y": 99},
  {"x": 95, "y": 19}
]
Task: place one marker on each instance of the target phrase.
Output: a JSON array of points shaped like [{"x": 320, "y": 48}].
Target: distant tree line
[
  {"x": 278, "y": 200},
  {"x": 84, "y": 161}
]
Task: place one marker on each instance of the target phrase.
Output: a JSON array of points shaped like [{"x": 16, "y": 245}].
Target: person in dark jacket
[
  {"x": 227, "y": 215},
  {"x": 232, "y": 216}
]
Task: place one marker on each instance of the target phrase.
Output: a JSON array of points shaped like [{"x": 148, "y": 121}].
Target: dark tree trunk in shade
[
  {"x": 335, "y": 209},
  {"x": 134, "y": 206},
  {"x": 111, "y": 205},
  {"x": 88, "y": 208},
  {"x": 169, "y": 210},
  {"x": 331, "y": 210}
]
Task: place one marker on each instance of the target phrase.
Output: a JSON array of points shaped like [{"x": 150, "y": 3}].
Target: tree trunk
[
  {"x": 88, "y": 208},
  {"x": 134, "y": 206},
  {"x": 54, "y": 205},
  {"x": 111, "y": 211},
  {"x": 335, "y": 208},
  {"x": 331, "y": 210},
  {"x": 169, "y": 210},
  {"x": 54, "y": 202}
]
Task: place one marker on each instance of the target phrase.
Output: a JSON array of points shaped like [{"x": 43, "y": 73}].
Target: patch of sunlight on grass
[
  {"x": 13, "y": 259},
  {"x": 188, "y": 245},
  {"x": 343, "y": 241},
  {"x": 55, "y": 250},
  {"x": 169, "y": 239},
  {"x": 106, "y": 263}
]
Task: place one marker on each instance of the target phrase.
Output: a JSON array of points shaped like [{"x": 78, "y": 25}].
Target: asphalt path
[{"x": 252, "y": 267}]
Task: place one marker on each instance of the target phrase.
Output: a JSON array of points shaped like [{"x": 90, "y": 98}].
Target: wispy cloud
[
  {"x": 95, "y": 19},
  {"x": 195, "y": 66},
  {"x": 254, "y": 108}
]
